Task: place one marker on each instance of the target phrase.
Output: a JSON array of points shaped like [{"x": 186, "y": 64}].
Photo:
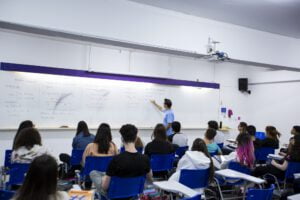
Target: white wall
[
  {"x": 129, "y": 21},
  {"x": 30, "y": 49},
  {"x": 274, "y": 103}
]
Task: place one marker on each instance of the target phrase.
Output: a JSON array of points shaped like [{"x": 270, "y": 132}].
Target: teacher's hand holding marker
[{"x": 168, "y": 114}]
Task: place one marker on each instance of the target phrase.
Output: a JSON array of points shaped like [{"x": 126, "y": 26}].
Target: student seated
[
  {"x": 277, "y": 168},
  {"x": 242, "y": 128},
  {"x": 160, "y": 143},
  {"x": 219, "y": 138},
  {"x": 295, "y": 131},
  {"x": 127, "y": 164},
  {"x": 83, "y": 136},
  {"x": 244, "y": 153},
  {"x": 212, "y": 147},
  {"x": 24, "y": 124},
  {"x": 197, "y": 158},
  {"x": 251, "y": 130},
  {"x": 41, "y": 181},
  {"x": 28, "y": 145},
  {"x": 177, "y": 137},
  {"x": 271, "y": 140},
  {"x": 102, "y": 145}
]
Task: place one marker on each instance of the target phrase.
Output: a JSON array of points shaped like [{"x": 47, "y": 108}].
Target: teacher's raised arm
[{"x": 168, "y": 114}]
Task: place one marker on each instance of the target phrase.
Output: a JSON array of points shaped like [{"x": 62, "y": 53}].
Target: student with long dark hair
[
  {"x": 160, "y": 143},
  {"x": 28, "y": 145},
  {"x": 23, "y": 124},
  {"x": 41, "y": 181},
  {"x": 271, "y": 140},
  {"x": 197, "y": 158},
  {"x": 102, "y": 145},
  {"x": 83, "y": 136},
  {"x": 278, "y": 168}
]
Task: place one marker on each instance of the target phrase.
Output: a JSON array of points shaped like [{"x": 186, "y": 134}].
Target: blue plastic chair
[
  {"x": 140, "y": 149},
  {"x": 17, "y": 174},
  {"x": 96, "y": 163},
  {"x": 180, "y": 151},
  {"x": 214, "y": 153},
  {"x": 76, "y": 156},
  {"x": 261, "y": 154},
  {"x": 6, "y": 195},
  {"x": 162, "y": 162},
  {"x": 293, "y": 168},
  {"x": 194, "y": 178},
  {"x": 221, "y": 145},
  {"x": 260, "y": 135},
  {"x": 125, "y": 187},
  {"x": 197, "y": 197},
  {"x": 7, "y": 160},
  {"x": 260, "y": 194}
]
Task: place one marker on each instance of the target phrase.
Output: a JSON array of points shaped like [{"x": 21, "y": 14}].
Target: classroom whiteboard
[{"x": 52, "y": 101}]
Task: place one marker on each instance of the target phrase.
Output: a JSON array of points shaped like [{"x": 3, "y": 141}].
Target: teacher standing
[{"x": 168, "y": 114}]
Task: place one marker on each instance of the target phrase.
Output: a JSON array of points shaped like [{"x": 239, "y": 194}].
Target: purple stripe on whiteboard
[{"x": 99, "y": 75}]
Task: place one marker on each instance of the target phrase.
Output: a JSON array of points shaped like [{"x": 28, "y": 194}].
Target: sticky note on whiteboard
[{"x": 223, "y": 110}]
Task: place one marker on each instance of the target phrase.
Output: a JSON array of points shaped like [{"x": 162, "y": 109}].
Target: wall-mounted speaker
[{"x": 243, "y": 84}]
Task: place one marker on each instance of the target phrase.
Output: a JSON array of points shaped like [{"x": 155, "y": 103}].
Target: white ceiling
[{"x": 275, "y": 16}]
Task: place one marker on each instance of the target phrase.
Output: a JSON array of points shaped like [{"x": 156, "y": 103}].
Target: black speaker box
[{"x": 243, "y": 84}]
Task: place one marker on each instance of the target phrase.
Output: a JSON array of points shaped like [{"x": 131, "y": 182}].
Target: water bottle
[
  {"x": 2, "y": 178},
  {"x": 77, "y": 177}
]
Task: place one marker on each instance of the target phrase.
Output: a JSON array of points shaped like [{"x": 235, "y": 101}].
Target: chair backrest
[
  {"x": 260, "y": 135},
  {"x": 260, "y": 194},
  {"x": 221, "y": 145},
  {"x": 162, "y": 162},
  {"x": 197, "y": 197},
  {"x": 96, "y": 163},
  {"x": 214, "y": 153},
  {"x": 17, "y": 173},
  {"x": 238, "y": 167},
  {"x": 293, "y": 168},
  {"x": 7, "y": 160},
  {"x": 194, "y": 178},
  {"x": 125, "y": 187},
  {"x": 76, "y": 156},
  {"x": 139, "y": 149},
  {"x": 261, "y": 154},
  {"x": 6, "y": 195},
  {"x": 180, "y": 151}
]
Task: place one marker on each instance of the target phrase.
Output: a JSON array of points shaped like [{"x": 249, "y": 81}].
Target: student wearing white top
[
  {"x": 197, "y": 158},
  {"x": 219, "y": 138},
  {"x": 28, "y": 145},
  {"x": 178, "y": 138},
  {"x": 41, "y": 181}
]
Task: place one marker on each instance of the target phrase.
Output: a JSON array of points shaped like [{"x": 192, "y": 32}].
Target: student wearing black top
[
  {"x": 271, "y": 140},
  {"x": 295, "y": 131},
  {"x": 278, "y": 168},
  {"x": 160, "y": 144},
  {"x": 242, "y": 128},
  {"x": 251, "y": 130},
  {"x": 129, "y": 163}
]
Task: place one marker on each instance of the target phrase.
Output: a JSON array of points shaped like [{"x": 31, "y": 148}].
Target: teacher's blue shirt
[{"x": 168, "y": 119}]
